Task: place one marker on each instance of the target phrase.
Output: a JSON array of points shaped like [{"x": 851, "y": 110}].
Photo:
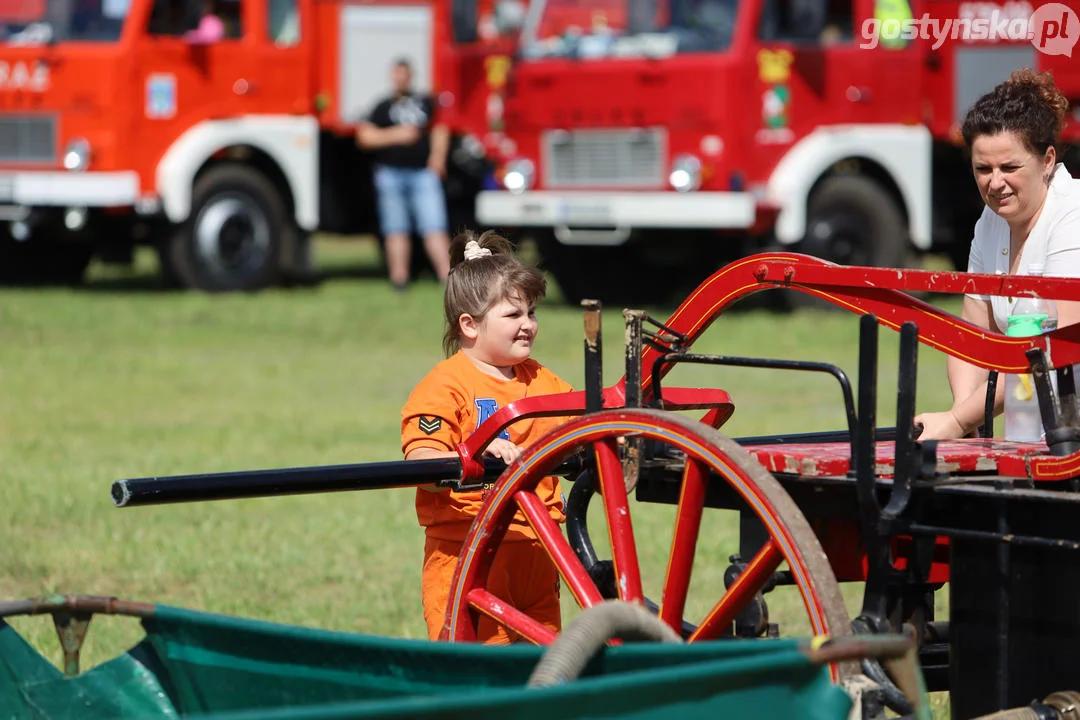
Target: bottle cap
[{"x": 1026, "y": 325}]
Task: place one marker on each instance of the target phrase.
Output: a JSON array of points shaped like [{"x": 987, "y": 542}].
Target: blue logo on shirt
[{"x": 485, "y": 408}]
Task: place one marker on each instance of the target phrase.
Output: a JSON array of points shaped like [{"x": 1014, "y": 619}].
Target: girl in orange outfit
[{"x": 489, "y": 302}]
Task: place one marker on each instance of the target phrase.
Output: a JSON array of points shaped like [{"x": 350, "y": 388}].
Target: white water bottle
[{"x": 1030, "y": 315}]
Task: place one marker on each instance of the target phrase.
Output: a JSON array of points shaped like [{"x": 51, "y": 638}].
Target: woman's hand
[
  {"x": 939, "y": 426},
  {"x": 505, "y": 450}
]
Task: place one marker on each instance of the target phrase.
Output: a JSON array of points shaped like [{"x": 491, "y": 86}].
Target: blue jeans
[{"x": 405, "y": 191}]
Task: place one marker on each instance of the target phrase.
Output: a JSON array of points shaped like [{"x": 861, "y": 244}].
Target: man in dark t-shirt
[{"x": 409, "y": 147}]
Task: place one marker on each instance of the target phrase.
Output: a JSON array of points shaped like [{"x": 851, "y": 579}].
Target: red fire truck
[
  {"x": 118, "y": 126},
  {"x": 656, "y": 136}
]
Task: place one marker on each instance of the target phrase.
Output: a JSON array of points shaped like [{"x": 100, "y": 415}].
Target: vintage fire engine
[
  {"x": 117, "y": 126},
  {"x": 644, "y": 136}
]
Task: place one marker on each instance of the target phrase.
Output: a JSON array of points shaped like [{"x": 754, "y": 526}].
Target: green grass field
[{"x": 122, "y": 379}]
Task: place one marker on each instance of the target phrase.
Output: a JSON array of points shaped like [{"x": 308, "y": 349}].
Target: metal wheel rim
[{"x": 232, "y": 235}]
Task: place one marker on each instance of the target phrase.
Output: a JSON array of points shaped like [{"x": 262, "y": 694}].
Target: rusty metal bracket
[
  {"x": 898, "y": 653},
  {"x": 71, "y": 616}
]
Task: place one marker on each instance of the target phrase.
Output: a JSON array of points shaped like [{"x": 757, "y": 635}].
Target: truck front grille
[
  {"x": 28, "y": 138},
  {"x": 630, "y": 158}
]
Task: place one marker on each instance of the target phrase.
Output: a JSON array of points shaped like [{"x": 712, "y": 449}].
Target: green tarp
[{"x": 193, "y": 664}]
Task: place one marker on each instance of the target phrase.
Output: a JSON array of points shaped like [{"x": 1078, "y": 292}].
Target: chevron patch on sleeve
[{"x": 430, "y": 425}]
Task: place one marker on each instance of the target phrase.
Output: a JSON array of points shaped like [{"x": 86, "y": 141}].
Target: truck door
[
  {"x": 810, "y": 70},
  {"x": 286, "y": 53},
  {"x": 199, "y": 60}
]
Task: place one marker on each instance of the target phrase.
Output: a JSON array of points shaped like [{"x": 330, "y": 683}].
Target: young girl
[{"x": 491, "y": 325}]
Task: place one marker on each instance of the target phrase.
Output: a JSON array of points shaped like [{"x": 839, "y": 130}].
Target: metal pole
[
  {"x": 294, "y": 481},
  {"x": 594, "y": 368},
  {"x": 633, "y": 320}
]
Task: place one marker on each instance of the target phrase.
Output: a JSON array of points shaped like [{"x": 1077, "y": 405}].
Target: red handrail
[{"x": 880, "y": 291}]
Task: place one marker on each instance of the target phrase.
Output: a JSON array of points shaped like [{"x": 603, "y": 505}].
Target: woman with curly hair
[{"x": 1031, "y": 218}]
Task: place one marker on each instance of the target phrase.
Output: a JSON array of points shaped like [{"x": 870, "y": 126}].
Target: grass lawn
[{"x": 122, "y": 379}]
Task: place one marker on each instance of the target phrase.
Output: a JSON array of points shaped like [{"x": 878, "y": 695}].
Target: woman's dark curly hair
[{"x": 1028, "y": 104}]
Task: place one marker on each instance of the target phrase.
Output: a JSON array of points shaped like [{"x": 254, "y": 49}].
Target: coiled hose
[{"x": 590, "y": 631}]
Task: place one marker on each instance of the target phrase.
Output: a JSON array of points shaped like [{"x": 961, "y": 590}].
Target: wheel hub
[
  {"x": 232, "y": 235},
  {"x": 840, "y": 237}
]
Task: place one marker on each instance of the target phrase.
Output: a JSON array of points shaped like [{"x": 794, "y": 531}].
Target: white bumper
[
  {"x": 90, "y": 189},
  {"x": 548, "y": 208}
]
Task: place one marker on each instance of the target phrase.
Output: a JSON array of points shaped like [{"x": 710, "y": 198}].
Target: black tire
[
  {"x": 233, "y": 238},
  {"x": 852, "y": 220}
]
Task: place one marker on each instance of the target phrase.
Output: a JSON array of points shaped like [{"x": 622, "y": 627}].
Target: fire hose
[{"x": 590, "y": 631}]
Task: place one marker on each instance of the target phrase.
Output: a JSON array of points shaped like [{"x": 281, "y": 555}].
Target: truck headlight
[
  {"x": 77, "y": 155},
  {"x": 519, "y": 176},
  {"x": 685, "y": 173}
]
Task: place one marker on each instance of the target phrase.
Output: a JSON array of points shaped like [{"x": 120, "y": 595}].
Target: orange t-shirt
[{"x": 446, "y": 407}]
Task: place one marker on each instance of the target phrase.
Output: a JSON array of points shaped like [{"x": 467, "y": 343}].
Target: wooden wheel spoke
[
  {"x": 509, "y": 616},
  {"x": 562, "y": 555},
  {"x": 752, "y": 579},
  {"x": 684, "y": 543},
  {"x": 620, "y": 528}
]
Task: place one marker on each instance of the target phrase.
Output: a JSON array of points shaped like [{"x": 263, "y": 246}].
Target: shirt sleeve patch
[{"x": 430, "y": 425}]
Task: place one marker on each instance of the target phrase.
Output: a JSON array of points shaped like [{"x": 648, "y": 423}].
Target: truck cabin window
[
  {"x": 627, "y": 28},
  {"x": 464, "y": 18},
  {"x": 43, "y": 22},
  {"x": 197, "y": 21},
  {"x": 284, "y": 19},
  {"x": 812, "y": 22},
  {"x": 486, "y": 21}
]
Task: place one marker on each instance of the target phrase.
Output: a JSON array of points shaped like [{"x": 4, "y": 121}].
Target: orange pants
[{"x": 522, "y": 574}]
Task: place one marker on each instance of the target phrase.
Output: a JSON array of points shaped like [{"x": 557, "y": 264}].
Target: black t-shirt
[{"x": 410, "y": 109}]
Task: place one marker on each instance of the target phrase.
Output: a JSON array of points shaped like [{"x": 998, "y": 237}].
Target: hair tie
[{"x": 473, "y": 250}]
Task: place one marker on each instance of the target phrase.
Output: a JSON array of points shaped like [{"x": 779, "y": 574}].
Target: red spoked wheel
[{"x": 709, "y": 457}]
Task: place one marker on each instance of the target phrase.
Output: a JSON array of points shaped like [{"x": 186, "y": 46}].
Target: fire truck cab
[
  {"x": 653, "y": 138},
  {"x": 125, "y": 121}
]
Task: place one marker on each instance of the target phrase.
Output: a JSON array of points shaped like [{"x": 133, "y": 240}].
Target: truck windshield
[
  {"x": 626, "y": 28},
  {"x": 41, "y": 22}
]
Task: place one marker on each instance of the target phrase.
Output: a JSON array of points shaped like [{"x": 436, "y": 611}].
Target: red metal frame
[
  {"x": 861, "y": 290},
  {"x": 879, "y": 291},
  {"x": 572, "y": 404}
]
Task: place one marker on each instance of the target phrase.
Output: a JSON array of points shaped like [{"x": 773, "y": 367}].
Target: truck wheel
[
  {"x": 233, "y": 237},
  {"x": 851, "y": 220}
]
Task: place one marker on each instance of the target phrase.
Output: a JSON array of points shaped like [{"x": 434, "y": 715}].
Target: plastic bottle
[{"x": 1030, "y": 315}]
